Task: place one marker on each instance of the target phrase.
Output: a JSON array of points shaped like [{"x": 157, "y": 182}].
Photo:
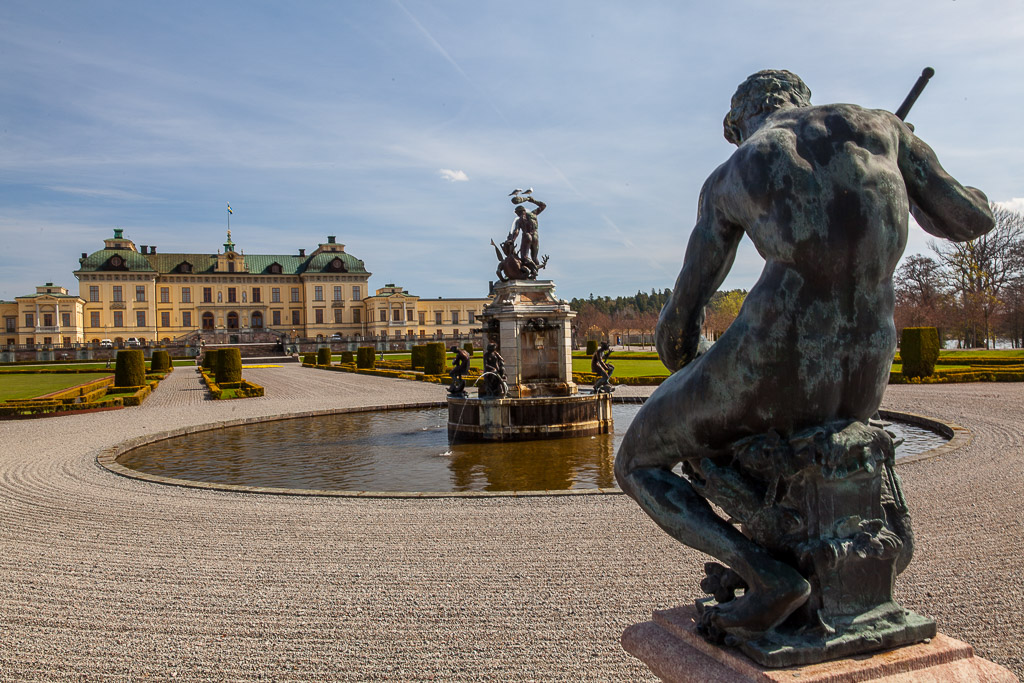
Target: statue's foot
[{"x": 775, "y": 594}]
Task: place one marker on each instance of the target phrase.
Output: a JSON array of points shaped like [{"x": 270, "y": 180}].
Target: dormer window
[
  {"x": 336, "y": 265},
  {"x": 275, "y": 269},
  {"x": 184, "y": 267},
  {"x": 116, "y": 262}
]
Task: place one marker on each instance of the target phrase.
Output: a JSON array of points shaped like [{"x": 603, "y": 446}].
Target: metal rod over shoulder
[{"x": 914, "y": 93}]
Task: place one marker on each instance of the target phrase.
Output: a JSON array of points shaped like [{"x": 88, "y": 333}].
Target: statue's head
[
  {"x": 603, "y": 346},
  {"x": 492, "y": 347},
  {"x": 760, "y": 95},
  {"x": 520, "y": 210}
]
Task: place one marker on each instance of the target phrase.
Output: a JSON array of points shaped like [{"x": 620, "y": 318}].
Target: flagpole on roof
[{"x": 229, "y": 217}]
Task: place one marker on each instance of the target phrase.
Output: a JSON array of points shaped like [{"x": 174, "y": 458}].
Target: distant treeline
[{"x": 637, "y": 304}]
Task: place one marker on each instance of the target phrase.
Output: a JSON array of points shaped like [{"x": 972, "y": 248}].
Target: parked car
[
  {"x": 132, "y": 342},
  {"x": 335, "y": 337},
  {"x": 106, "y": 344}
]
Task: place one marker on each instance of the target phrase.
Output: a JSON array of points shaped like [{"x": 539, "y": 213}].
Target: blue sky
[{"x": 401, "y": 126}]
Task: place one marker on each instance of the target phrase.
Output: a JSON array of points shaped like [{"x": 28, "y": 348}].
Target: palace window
[
  {"x": 295, "y": 318},
  {"x": 383, "y": 315},
  {"x": 295, "y": 294},
  {"x": 118, "y": 318},
  {"x": 396, "y": 315},
  {"x": 140, "y": 292},
  {"x": 275, "y": 295},
  {"x": 207, "y": 295},
  {"x": 356, "y": 294},
  {"x": 455, "y": 317},
  {"x": 30, "y": 320},
  {"x": 318, "y": 293},
  {"x": 437, "y": 317},
  {"x": 276, "y": 316},
  {"x": 94, "y": 292},
  {"x": 337, "y": 293},
  {"x": 423, "y": 317},
  {"x": 186, "y": 318},
  {"x": 186, "y": 295},
  {"x": 140, "y": 318},
  {"x": 94, "y": 318},
  {"x": 118, "y": 294},
  {"x": 165, "y": 319},
  {"x": 256, "y": 298},
  {"x": 357, "y": 316},
  {"x": 337, "y": 314},
  {"x": 165, "y": 295},
  {"x": 65, "y": 319},
  {"x": 232, "y": 295},
  {"x": 319, "y": 315}
]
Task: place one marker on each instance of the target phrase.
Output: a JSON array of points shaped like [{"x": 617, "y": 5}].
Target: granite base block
[{"x": 673, "y": 650}]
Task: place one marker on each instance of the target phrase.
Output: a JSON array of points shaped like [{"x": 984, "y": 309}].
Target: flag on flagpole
[{"x": 229, "y": 209}]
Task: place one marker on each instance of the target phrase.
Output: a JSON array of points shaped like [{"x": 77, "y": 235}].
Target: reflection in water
[{"x": 403, "y": 450}]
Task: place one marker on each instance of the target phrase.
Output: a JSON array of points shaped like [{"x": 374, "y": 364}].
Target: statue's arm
[
  {"x": 538, "y": 203},
  {"x": 709, "y": 256},
  {"x": 940, "y": 205}
]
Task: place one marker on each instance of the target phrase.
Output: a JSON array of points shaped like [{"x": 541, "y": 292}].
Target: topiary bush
[
  {"x": 468, "y": 348},
  {"x": 419, "y": 352},
  {"x": 365, "y": 357},
  {"x": 210, "y": 359},
  {"x": 435, "y": 359},
  {"x": 323, "y": 355},
  {"x": 161, "y": 361},
  {"x": 309, "y": 358},
  {"x": 347, "y": 358},
  {"x": 130, "y": 370},
  {"x": 591, "y": 347},
  {"x": 229, "y": 366},
  {"x": 919, "y": 349}
]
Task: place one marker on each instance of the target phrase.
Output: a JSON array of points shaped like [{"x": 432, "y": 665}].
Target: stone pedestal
[
  {"x": 528, "y": 419},
  {"x": 533, "y": 330},
  {"x": 673, "y": 650}
]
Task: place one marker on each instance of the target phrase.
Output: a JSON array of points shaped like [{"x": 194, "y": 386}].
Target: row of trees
[
  {"x": 629, "y": 318},
  {"x": 972, "y": 291}
]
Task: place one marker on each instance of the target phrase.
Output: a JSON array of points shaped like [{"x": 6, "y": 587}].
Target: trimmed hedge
[
  {"x": 919, "y": 350},
  {"x": 309, "y": 359},
  {"x": 468, "y": 348},
  {"x": 591, "y": 347},
  {"x": 435, "y": 359},
  {"x": 229, "y": 366},
  {"x": 161, "y": 362},
  {"x": 130, "y": 370},
  {"x": 323, "y": 355},
  {"x": 419, "y": 353},
  {"x": 365, "y": 357},
  {"x": 347, "y": 358},
  {"x": 210, "y": 359}
]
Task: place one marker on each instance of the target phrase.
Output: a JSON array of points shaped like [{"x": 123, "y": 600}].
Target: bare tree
[{"x": 979, "y": 271}]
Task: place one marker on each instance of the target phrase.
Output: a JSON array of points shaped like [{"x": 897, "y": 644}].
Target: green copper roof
[
  {"x": 100, "y": 260},
  {"x": 258, "y": 264},
  {"x": 321, "y": 263}
]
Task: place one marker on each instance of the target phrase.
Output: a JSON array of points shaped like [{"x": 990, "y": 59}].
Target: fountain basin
[{"x": 528, "y": 419}]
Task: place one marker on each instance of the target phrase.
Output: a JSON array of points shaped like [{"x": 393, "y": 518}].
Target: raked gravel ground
[{"x": 105, "y": 578}]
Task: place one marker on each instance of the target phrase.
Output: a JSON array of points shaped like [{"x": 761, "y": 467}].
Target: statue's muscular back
[{"x": 819, "y": 191}]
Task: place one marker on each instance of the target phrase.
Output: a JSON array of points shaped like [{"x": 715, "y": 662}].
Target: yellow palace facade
[{"x": 128, "y": 291}]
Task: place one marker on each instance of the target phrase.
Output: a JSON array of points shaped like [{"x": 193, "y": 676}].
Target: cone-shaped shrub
[
  {"x": 229, "y": 366},
  {"x": 323, "y": 355},
  {"x": 419, "y": 352},
  {"x": 161, "y": 361},
  {"x": 468, "y": 348},
  {"x": 919, "y": 349},
  {"x": 365, "y": 357},
  {"x": 130, "y": 370},
  {"x": 434, "y": 361}
]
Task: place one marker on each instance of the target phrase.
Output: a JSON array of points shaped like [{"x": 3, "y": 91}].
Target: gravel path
[{"x": 108, "y": 578}]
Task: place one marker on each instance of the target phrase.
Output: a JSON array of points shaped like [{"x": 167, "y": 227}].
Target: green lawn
[{"x": 31, "y": 386}]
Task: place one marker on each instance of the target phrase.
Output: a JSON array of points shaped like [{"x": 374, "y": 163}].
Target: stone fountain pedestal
[{"x": 533, "y": 331}]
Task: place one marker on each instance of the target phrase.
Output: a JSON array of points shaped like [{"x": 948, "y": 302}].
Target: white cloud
[
  {"x": 1015, "y": 204},
  {"x": 454, "y": 176}
]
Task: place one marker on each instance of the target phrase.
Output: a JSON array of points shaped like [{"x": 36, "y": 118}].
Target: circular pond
[{"x": 399, "y": 450}]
